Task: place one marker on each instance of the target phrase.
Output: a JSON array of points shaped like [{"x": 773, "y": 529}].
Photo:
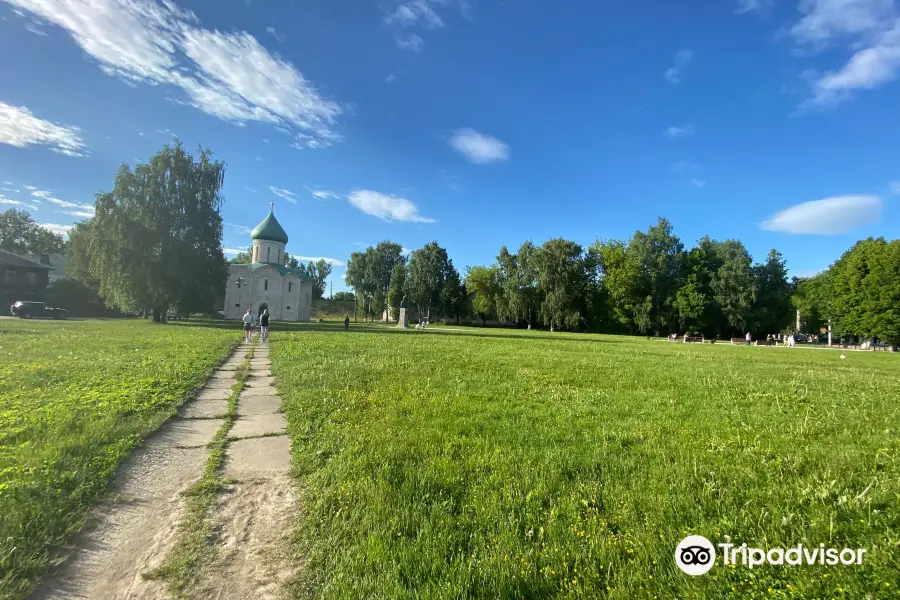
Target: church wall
[
  {"x": 235, "y": 296},
  {"x": 305, "y": 301}
]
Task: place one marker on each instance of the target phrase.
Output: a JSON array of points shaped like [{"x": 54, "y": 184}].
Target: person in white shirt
[{"x": 248, "y": 324}]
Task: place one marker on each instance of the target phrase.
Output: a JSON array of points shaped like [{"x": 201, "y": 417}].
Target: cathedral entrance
[{"x": 263, "y": 306}]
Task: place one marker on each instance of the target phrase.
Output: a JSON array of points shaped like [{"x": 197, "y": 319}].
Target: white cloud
[
  {"x": 405, "y": 251},
  {"x": 387, "y": 207},
  {"x": 332, "y": 261},
  {"x": 271, "y": 31},
  {"x": 675, "y": 73},
  {"x": 250, "y": 189},
  {"x": 239, "y": 229},
  {"x": 391, "y": 78},
  {"x": 674, "y": 132},
  {"x": 232, "y": 251},
  {"x": 700, "y": 183},
  {"x": 754, "y": 6},
  {"x": 411, "y": 42},
  {"x": 895, "y": 187},
  {"x": 284, "y": 194},
  {"x": 62, "y": 230},
  {"x": 82, "y": 210},
  {"x": 228, "y": 75},
  {"x": 868, "y": 28},
  {"x": 478, "y": 147},
  {"x": 20, "y": 128},
  {"x": 839, "y": 214},
  {"x": 323, "y": 194},
  {"x": 414, "y": 12},
  {"x": 4, "y": 201}
]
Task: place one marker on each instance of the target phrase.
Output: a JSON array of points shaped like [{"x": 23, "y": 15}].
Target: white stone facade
[{"x": 287, "y": 297}]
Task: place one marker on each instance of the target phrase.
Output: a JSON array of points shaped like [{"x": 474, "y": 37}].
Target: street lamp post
[{"x": 242, "y": 282}]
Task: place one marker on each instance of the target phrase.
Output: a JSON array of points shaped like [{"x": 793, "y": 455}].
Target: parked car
[{"x": 34, "y": 310}]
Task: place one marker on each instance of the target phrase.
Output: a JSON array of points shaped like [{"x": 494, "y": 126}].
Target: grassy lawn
[
  {"x": 75, "y": 399},
  {"x": 486, "y": 464}
]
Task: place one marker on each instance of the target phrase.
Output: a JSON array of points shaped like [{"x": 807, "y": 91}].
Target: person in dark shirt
[
  {"x": 264, "y": 325},
  {"x": 346, "y": 323}
]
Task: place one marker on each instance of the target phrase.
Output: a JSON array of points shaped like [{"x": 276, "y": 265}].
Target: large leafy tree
[
  {"x": 395, "y": 289},
  {"x": 318, "y": 272},
  {"x": 453, "y": 295},
  {"x": 243, "y": 257},
  {"x": 380, "y": 262},
  {"x": 484, "y": 283},
  {"x": 562, "y": 280},
  {"x": 733, "y": 284},
  {"x": 619, "y": 276},
  {"x": 772, "y": 312},
  {"x": 518, "y": 280},
  {"x": 155, "y": 241},
  {"x": 20, "y": 234},
  {"x": 658, "y": 255},
  {"x": 812, "y": 297},
  {"x": 427, "y": 272}
]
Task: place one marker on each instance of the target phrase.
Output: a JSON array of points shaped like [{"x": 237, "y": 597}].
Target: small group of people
[{"x": 249, "y": 320}]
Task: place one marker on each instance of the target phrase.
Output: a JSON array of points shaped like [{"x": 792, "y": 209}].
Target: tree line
[{"x": 649, "y": 284}]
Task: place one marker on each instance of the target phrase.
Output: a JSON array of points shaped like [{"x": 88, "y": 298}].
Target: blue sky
[{"x": 475, "y": 123}]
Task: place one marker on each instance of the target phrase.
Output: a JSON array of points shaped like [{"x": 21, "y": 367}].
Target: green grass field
[
  {"x": 75, "y": 399},
  {"x": 487, "y": 464}
]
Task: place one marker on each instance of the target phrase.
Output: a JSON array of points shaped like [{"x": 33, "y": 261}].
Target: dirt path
[
  {"x": 257, "y": 511},
  {"x": 132, "y": 530}
]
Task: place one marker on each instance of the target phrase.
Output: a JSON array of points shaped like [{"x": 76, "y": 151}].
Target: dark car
[{"x": 34, "y": 310}]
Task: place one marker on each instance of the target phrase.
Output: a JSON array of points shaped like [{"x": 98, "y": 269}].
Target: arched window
[
  {"x": 265, "y": 285},
  {"x": 279, "y": 256},
  {"x": 269, "y": 254}
]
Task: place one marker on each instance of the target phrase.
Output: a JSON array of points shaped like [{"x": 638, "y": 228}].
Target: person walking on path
[
  {"x": 248, "y": 324},
  {"x": 748, "y": 338},
  {"x": 264, "y": 325},
  {"x": 346, "y": 323}
]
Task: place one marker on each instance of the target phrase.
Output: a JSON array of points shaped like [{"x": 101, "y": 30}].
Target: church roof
[{"x": 270, "y": 229}]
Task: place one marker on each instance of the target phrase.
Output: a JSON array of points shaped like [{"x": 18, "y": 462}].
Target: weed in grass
[{"x": 76, "y": 397}]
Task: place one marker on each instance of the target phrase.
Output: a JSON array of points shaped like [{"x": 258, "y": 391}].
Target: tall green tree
[
  {"x": 20, "y": 234},
  {"x": 812, "y": 297},
  {"x": 619, "y": 278},
  {"x": 380, "y": 262},
  {"x": 518, "y": 278},
  {"x": 773, "y": 312},
  {"x": 244, "y": 257},
  {"x": 427, "y": 272},
  {"x": 318, "y": 272},
  {"x": 484, "y": 284},
  {"x": 453, "y": 295},
  {"x": 396, "y": 289},
  {"x": 659, "y": 255},
  {"x": 734, "y": 285},
  {"x": 562, "y": 279},
  {"x": 156, "y": 237},
  {"x": 357, "y": 277}
]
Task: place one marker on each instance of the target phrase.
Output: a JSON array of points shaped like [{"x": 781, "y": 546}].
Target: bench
[
  {"x": 738, "y": 341},
  {"x": 766, "y": 342},
  {"x": 693, "y": 340}
]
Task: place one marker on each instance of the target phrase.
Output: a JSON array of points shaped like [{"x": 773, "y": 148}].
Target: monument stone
[{"x": 404, "y": 318}]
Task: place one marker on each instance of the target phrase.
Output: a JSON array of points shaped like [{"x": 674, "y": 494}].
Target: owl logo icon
[{"x": 695, "y": 555}]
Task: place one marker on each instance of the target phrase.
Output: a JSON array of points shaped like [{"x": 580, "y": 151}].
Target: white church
[{"x": 266, "y": 283}]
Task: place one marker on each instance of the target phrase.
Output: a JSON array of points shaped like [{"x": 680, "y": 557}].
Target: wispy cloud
[
  {"x": 700, "y": 183},
  {"x": 830, "y": 216},
  {"x": 753, "y": 6},
  {"x": 250, "y": 189},
  {"x": 391, "y": 78},
  {"x": 20, "y": 128},
  {"x": 895, "y": 188},
  {"x": 271, "y": 31},
  {"x": 478, "y": 147},
  {"x": 239, "y": 229},
  {"x": 675, "y": 73},
  {"x": 410, "y": 15},
  {"x": 232, "y": 251},
  {"x": 62, "y": 230},
  {"x": 332, "y": 261},
  {"x": 676, "y": 132},
  {"x": 4, "y": 201},
  {"x": 228, "y": 75},
  {"x": 284, "y": 194},
  {"x": 868, "y": 28},
  {"x": 322, "y": 194},
  {"x": 387, "y": 207},
  {"x": 410, "y": 42},
  {"x": 80, "y": 210}
]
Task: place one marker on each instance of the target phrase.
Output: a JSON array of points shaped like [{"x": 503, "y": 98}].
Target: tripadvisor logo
[{"x": 696, "y": 555}]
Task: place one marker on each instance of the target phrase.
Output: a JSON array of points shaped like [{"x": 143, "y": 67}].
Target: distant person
[
  {"x": 264, "y": 325},
  {"x": 248, "y": 324},
  {"x": 346, "y": 323},
  {"x": 748, "y": 338},
  {"x": 791, "y": 340}
]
